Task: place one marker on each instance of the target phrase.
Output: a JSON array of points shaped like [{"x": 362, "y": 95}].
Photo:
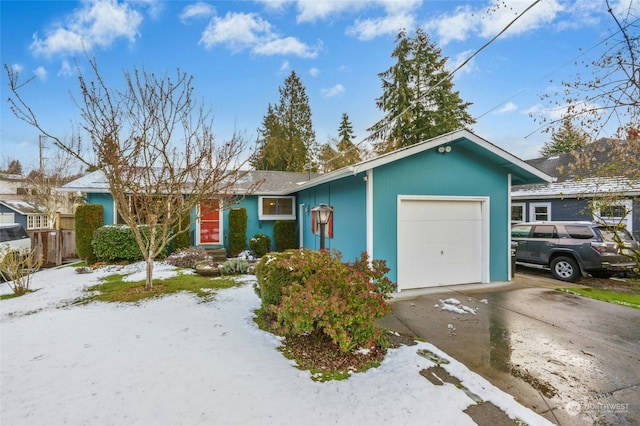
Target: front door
[{"x": 209, "y": 229}]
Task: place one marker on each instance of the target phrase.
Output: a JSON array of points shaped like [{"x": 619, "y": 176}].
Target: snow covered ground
[{"x": 181, "y": 361}]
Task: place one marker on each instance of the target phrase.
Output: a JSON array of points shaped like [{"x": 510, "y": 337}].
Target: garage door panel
[{"x": 439, "y": 242}]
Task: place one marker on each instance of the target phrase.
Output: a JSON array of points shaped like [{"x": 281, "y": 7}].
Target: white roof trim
[{"x": 425, "y": 146}]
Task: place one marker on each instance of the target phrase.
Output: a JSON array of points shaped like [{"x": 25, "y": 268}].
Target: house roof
[
  {"x": 571, "y": 182},
  {"x": 521, "y": 172},
  {"x": 24, "y": 207},
  {"x": 270, "y": 182}
]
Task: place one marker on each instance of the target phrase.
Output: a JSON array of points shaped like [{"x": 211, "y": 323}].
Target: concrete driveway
[{"x": 574, "y": 360}]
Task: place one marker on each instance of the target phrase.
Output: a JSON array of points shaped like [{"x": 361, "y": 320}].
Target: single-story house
[
  {"x": 570, "y": 195},
  {"x": 437, "y": 212},
  {"x": 28, "y": 214}
]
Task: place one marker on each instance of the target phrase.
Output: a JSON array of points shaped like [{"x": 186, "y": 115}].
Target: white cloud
[
  {"x": 506, "y": 108},
  {"x": 487, "y": 21},
  {"x": 368, "y": 29},
  {"x": 336, "y": 90},
  {"x": 314, "y": 72},
  {"x": 40, "y": 73},
  {"x": 285, "y": 66},
  {"x": 239, "y": 31},
  {"x": 196, "y": 10},
  {"x": 17, "y": 68},
  {"x": 66, "y": 70},
  {"x": 456, "y": 61},
  {"x": 96, "y": 24}
]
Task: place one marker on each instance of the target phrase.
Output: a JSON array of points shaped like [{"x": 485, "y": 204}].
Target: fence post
[{"x": 58, "y": 240}]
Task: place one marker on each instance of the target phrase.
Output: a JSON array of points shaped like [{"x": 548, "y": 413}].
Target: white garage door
[{"x": 440, "y": 242}]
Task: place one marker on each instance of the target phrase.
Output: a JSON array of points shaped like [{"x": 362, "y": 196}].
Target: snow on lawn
[{"x": 179, "y": 360}]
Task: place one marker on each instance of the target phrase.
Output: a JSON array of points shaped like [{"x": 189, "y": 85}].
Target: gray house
[{"x": 572, "y": 194}]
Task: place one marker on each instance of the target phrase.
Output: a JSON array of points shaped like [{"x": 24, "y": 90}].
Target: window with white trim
[
  {"x": 539, "y": 212},
  {"x": 619, "y": 212},
  {"x": 517, "y": 212},
  {"x": 37, "y": 221},
  {"x": 276, "y": 208}
]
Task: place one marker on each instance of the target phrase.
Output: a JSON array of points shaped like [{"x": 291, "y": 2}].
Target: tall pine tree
[
  {"x": 287, "y": 136},
  {"x": 342, "y": 152},
  {"x": 418, "y": 96},
  {"x": 566, "y": 138}
]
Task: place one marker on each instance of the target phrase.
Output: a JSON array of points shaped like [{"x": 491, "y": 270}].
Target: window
[
  {"x": 579, "y": 232},
  {"x": 545, "y": 231},
  {"x": 615, "y": 213},
  {"x": 276, "y": 208},
  {"x": 517, "y": 212},
  {"x": 520, "y": 231},
  {"x": 539, "y": 212},
  {"x": 37, "y": 221}
]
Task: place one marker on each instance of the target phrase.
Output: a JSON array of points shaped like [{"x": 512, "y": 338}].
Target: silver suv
[
  {"x": 573, "y": 249},
  {"x": 13, "y": 238}
]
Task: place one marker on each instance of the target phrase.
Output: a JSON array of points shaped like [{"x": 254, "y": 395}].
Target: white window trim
[
  {"x": 627, "y": 220},
  {"x": 532, "y": 211},
  {"x": 292, "y": 216},
  {"x": 524, "y": 212}
]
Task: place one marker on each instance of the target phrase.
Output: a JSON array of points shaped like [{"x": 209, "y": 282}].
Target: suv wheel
[{"x": 565, "y": 269}]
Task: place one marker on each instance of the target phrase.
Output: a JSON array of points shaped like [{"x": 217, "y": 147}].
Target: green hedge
[
  {"x": 116, "y": 242},
  {"x": 237, "y": 231},
  {"x": 284, "y": 234},
  {"x": 259, "y": 244},
  {"x": 88, "y": 218}
]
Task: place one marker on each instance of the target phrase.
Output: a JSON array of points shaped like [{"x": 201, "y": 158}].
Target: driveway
[{"x": 572, "y": 359}]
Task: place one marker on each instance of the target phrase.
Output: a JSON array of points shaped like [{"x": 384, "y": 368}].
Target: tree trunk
[{"x": 149, "y": 284}]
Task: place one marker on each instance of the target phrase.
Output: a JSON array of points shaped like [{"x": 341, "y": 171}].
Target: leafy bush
[
  {"x": 116, "y": 242},
  {"x": 188, "y": 257},
  {"x": 284, "y": 234},
  {"x": 309, "y": 291},
  {"x": 88, "y": 218},
  {"x": 260, "y": 244},
  {"x": 234, "y": 267},
  {"x": 237, "y": 231}
]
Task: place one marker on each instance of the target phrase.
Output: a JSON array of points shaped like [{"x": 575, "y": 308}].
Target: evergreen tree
[
  {"x": 418, "y": 96},
  {"x": 288, "y": 139},
  {"x": 15, "y": 168},
  {"x": 328, "y": 158},
  {"x": 567, "y": 138},
  {"x": 348, "y": 151}
]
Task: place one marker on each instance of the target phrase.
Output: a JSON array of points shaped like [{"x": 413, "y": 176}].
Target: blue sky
[{"x": 240, "y": 53}]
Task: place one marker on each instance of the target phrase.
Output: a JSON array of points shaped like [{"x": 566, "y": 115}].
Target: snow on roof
[
  {"x": 24, "y": 207},
  {"x": 574, "y": 188}
]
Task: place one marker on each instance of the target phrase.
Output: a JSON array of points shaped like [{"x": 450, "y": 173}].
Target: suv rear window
[
  {"x": 10, "y": 233},
  {"x": 579, "y": 232},
  {"x": 607, "y": 234}
]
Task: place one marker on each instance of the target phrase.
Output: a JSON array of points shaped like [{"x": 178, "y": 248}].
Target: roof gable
[
  {"x": 521, "y": 171},
  {"x": 24, "y": 207}
]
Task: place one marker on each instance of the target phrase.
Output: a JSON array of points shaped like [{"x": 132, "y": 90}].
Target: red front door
[{"x": 210, "y": 222}]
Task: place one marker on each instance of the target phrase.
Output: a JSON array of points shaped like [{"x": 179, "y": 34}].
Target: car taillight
[{"x": 599, "y": 246}]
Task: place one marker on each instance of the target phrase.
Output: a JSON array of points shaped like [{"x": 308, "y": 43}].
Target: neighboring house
[
  {"x": 28, "y": 214},
  {"x": 571, "y": 194},
  {"x": 13, "y": 187},
  {"x": 437, "y": 212}
]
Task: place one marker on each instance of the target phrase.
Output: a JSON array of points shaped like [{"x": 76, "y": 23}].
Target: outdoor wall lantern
[{"x": 322, "y": 213}]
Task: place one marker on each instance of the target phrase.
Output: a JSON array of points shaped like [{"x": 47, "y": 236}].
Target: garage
[{"x": 442, "y": 241}]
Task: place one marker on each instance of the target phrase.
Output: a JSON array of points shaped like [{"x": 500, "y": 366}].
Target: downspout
[
  {"x": 301, "y": 225},
  {"x": 509, "y": 260},
  {"x": 369, "y": 212}
]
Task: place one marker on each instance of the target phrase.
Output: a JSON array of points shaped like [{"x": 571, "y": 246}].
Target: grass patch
[
  {"x": 624, "y": 299},
  {"x": 13, "y": 295},
  {"x": 115, "y": 289}
]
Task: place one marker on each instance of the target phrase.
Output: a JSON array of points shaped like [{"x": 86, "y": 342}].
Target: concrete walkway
[{"x": 572, "y": 359}]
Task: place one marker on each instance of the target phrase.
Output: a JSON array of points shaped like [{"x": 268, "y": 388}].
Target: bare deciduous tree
[{"x": 155, "y": 145}]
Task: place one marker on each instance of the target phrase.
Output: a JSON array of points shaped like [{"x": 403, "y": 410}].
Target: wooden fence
[{"x": 55, "y": 245}]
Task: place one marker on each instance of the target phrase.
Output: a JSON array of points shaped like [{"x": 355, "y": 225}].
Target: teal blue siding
[
  {"x": 254, "y": 226},
  {"x": 106, "y": 201},
  {"x": 459, "y": 173},
  {"x": 347, "y": 196}
]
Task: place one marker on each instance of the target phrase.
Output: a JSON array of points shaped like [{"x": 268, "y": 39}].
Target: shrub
[
  {"x": 260, "y": 244},
  {"x": 188, "y": 257},
  {"x": 88, "y": 218},
  {"x": 234, "y": 267},
  {"x": 115, "y": 242},
  {"x": 237, "y": 231},
  {"x": 284, "y": 234},
  {"x": 324, "y": 295},
  {"x": 181, "y": 240},
  {"x": 16, "y": 268}
]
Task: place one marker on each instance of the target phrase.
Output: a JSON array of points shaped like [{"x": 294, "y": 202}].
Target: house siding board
[
  {"x": 347, "y": 197},
  {"x": 430, "y": 173},
  {"x": 17, "y": 217},
  {"x": 106, "y": 201}
]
